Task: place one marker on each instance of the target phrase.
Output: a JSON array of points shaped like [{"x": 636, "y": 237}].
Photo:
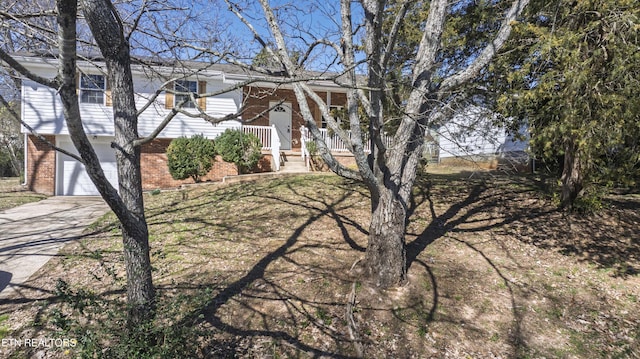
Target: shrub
[
  {"x": 317, "y": 163},
  {"x": 590, "y": 201},
  {"x": 190, "y": 157},
  {"x": 312, "y": 148},
  {"x": 96, "y": 325},
  {"x": 243, "y": 149}
]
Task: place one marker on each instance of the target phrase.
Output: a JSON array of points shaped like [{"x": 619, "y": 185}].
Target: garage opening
[{"x": 72, "y": 177}]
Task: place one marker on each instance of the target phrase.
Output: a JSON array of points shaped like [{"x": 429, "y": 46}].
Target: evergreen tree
[{"x": 571, "y": 71}]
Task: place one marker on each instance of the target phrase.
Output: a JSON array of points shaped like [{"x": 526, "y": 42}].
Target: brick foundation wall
[
  {"x": 518, "y": 162},
  {"x": 41, "y": 165},
  {"x": 486, "y": 163},
  {"x": 346, "y": 160},
  {"x": 155, "y": 172},
  {"x": 264, "y": 165}
]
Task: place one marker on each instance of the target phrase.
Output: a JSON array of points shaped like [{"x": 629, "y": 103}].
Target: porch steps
[{"x": 292, "y": 163}]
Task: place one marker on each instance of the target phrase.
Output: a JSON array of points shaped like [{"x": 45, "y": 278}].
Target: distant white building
[{"x": 477, "y": 135}]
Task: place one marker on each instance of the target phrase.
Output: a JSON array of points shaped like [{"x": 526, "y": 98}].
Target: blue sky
[
  {"x": 201, "y": 20},
  {"x": 303, "y": 22}
]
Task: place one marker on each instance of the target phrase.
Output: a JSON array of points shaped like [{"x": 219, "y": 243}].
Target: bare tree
[
  {"x": 105, "y": 30},
  {"x": 127, "y": 204},
  {"x": 18, "y": 34},
  {"x": 389, "y": 170},
  {"x": 163, "y": 33},
  {"x": 10, "y": 142}
]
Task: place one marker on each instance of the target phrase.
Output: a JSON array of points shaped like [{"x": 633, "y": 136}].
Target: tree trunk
[
  {"x": 140, "y": 290},
  {"x": 386, "y": 258},
  {"x": 571, "y": 175},
  {"x": 135, "y": 235},
  {"x": 114, "y": 46},
  {"x": 13, "y": 158}
]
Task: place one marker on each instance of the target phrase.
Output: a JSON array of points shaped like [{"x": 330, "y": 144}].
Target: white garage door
[{"x": 73, "y": 179}]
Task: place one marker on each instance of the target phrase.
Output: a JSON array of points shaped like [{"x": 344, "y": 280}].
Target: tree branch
[
  {"x": 17, "y": 118},
  {"x": 393, "y": 34},
  {"x": 136, "y": 21},
  {"x": 489, "y": 51},
  {"x": 43, "y": 13},
  {"x": 9, "y": 60}
]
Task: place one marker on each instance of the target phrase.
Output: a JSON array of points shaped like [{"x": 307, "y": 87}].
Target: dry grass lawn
[
  {"x": 264, "y": 270},
  {"x": 12, "y": 194}
]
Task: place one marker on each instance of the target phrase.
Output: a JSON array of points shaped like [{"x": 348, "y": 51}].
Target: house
[
  {"x": 272, "y": 108},
  {"x": 475, "y": 135}
]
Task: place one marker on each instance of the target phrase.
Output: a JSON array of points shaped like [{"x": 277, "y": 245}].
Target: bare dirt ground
[{"x": 264, "y": 270}]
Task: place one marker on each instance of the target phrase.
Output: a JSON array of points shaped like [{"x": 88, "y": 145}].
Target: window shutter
[
  {"x": 107, "y": 93},
  {"x": 168, "y": 97},
  {"x": 202, "y": 89}
]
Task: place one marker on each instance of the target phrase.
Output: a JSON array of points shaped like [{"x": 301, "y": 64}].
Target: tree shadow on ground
[
  {"x": 518, "y": 208},
  {"x": 275, "y": 311},
  {"x": 487, "y": 204},
  {"x": 287, "y": 294},
  {"x": 608, "y": 239},
  {"x": 517, "y": 205}
]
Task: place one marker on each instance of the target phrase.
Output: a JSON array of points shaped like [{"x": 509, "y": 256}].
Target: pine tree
[{"x": 571, "y": 71}]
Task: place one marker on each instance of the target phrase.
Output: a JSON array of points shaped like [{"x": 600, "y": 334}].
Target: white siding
[
  {"x": 42, "y": 110},
  {"x": 475, "y": 132}
]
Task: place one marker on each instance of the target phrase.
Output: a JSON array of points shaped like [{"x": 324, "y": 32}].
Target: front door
[{"x": 280, "y": 116}]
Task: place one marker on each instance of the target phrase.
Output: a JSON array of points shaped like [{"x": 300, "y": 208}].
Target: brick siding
[
  {"x": 257, "y": 99},
  {"x": 41, "y": 165},
  {"x": 155, "y": 172}
]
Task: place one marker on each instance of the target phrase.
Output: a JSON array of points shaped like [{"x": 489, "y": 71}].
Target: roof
[{"x": 170, "y": 67}]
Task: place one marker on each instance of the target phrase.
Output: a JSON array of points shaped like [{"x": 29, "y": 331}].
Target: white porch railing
[
  {"x": 270, "y": 141},
  {"x": 275, "y": 148},
  {"x": 304, "y": 138},
  {"x": 262, "y": 132},
  {"x": 333, "y": 141}
]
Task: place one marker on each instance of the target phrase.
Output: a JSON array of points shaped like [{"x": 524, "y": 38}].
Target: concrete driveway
[{"x": 33, "y": 233}]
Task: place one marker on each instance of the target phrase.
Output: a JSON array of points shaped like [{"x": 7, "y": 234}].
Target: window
[
  {"x": 92, "y": 88},
  {"x": 185, "y": 87},
  {"x": 336, "y": 112}
]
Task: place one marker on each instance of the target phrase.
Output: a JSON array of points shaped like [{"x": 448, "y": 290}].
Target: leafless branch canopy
[{"x": 363, "y": 49}]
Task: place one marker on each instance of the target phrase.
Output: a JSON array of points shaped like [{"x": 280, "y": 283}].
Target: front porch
[{"x": 296, "y": 159}]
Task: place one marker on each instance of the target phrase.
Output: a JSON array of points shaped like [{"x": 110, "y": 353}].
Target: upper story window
[
  {"x": 92, "y": 88},
  {"x": 186, "y": 87}
]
